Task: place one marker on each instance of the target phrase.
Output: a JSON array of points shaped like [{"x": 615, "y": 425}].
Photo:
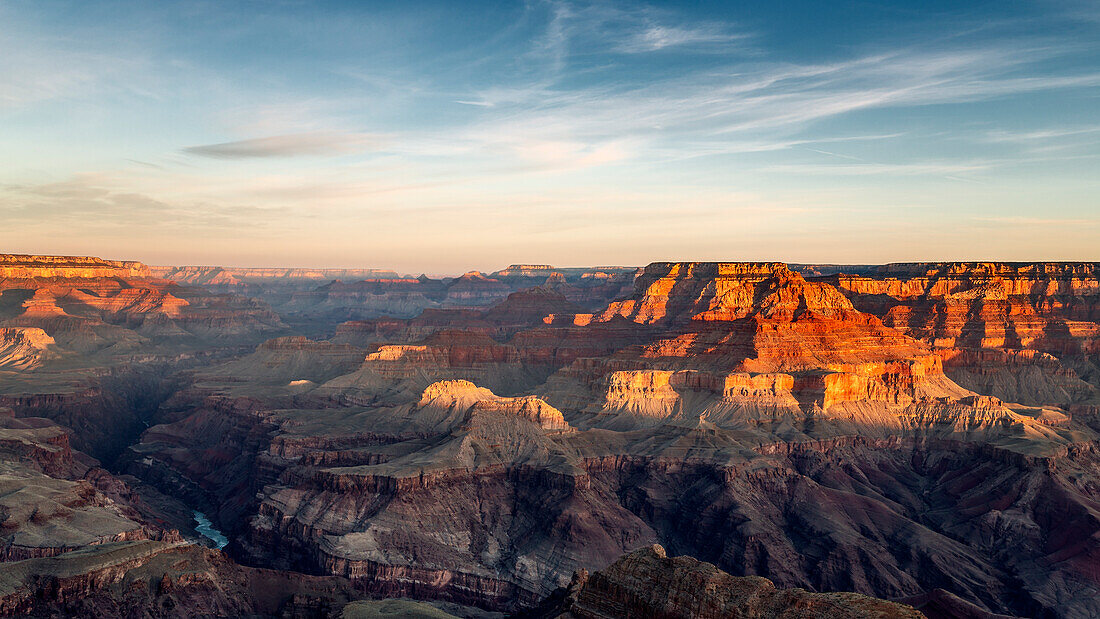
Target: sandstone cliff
[{"x": 988, "y": 319}]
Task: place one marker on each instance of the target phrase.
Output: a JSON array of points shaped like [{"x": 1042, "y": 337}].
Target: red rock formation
[
  {"x": 473, "y": 400},
  {"x": 1054, "y": 307},
  {"x": 409, "y": 368},
  {"x": 739, "y": 413},
  {"x": 23, "y": 266},
  {"x": 24, "y": 348},
  {"x": 676, "y": 292},
  {"x": 724, "y": 322},
  {"x": 88, "y": 304},
  {"x": 531, "y": 307},
  {"x": 966, "y": 309}
]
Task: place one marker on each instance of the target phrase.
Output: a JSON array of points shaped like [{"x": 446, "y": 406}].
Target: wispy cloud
[
  {"x": 94, "y": 201},
  {"x": 294, "y": 145},
  {"x": 656, "y": 37}
]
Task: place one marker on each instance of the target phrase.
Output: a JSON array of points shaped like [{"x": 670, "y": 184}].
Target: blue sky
[{"x": 453, "y": 136}]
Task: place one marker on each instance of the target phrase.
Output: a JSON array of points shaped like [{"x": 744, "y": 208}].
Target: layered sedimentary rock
[
  {"x": 88, "y": 305},
  {"x": 408, "y": 297},
  {"x": 648, "y": 583},
  {"x": 216, "y": 275},
  {"x": 766, "y": 422},
  {"x": 752, "y": 342},
  {"x": 54, "y": 499},
  {"x": 450, "y": 354},
  {"x": 90, "y": 343},
  {"x": 275, "y": 286},
  {"x": 368, "y": 298},
  {"x": 24, "y": 348},
  {"x": 150, "y": 578},
  {"x": 590, "y": 288},
  {"x": 739, "y": 413},
  {"x": 519, "y": 311},
  {"x": 25, "y": 266},
  {"x": 987, "y": 320},
  {"x": 1052, "y": 307}
]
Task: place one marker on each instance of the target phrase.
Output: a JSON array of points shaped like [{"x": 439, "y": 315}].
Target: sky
[{"x": 445, "y": 137}]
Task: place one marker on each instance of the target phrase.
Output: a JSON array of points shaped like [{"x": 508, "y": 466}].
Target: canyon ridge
[{"x": 681, "y": 439}]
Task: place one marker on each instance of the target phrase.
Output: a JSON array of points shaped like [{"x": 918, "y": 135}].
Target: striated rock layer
[
  {"x": 737, "y": 413},
  {"x": 648, "y": 583},
  {"x": 988, "y": 321},
  {"x": 487, "y": 445}
]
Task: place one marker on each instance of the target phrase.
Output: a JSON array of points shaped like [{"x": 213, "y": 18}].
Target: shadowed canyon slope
[{"x": 924, "y": 433}]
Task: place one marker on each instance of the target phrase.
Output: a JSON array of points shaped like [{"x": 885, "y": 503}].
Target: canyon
[{"x": 680, "y": 439}]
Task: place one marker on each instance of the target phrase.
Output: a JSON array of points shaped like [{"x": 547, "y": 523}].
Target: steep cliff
[
  {"x": 988, "y": 319},
  {"x": 750, "y": 342},
  {"x": 768, "y": 423}
]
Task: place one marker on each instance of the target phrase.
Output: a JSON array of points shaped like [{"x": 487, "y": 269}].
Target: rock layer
[{"x": 648, "y": 583}]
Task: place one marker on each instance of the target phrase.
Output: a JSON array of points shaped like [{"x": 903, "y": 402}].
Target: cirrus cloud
[{"x": 314, "y": 143}]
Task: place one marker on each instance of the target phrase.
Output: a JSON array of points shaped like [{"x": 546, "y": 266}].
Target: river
[{"x": 206, "y": 529}]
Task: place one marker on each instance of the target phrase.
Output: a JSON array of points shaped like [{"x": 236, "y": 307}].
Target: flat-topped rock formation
[
  {"x": 88, "y": 305},
  {"x": 156, "y": 579},
  {"x": 407, "y": 297},
  {"x": 80, "y": 336},
  {"x": 200, "y": 275},
  {"x": 1053, "y": 307},
  {"x": 735, "y": 342},
  {"x": 25, "y": 266},
  {"x": 469, "y": 399}
]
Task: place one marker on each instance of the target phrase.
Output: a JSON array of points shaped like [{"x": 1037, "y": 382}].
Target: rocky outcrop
[
  {"x": 1052, "y": 307},
  {"x": 408, "y": 297},
  {"x": 462, "y": 395},
  {"x": 155, "y": 579},
  {"x": 648, "y": 583},
  {"x": 408, "y": 368},
  {"x": 54, "y": 499},
  {"x": 235, "y": 276},
  {"x": 276, "y": 287},
  {"x": 788, "y": 348},
  {"x": 25, "y": 266},
  {"x": 88, "y": 306},
  {"x": 291, "y": 365},
  {"x": 531, "y": 307},
  {"x": 986, "y": 319},
  {"x": 24, "y": 348},
  {"x": 590, "y": 288},
  {"x": 676, "y": 292}
]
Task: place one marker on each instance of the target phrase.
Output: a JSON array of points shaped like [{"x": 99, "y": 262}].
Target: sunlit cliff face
[
  {"x": 434, "y": 139},
  {"x": 486, "y": 439}
]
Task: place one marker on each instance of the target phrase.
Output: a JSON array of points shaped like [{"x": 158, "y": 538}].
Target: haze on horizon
[{"x": 441, "y": 138}]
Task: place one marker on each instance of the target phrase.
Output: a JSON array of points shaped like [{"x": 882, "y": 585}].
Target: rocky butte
[{"x": 682, "y": 440}]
